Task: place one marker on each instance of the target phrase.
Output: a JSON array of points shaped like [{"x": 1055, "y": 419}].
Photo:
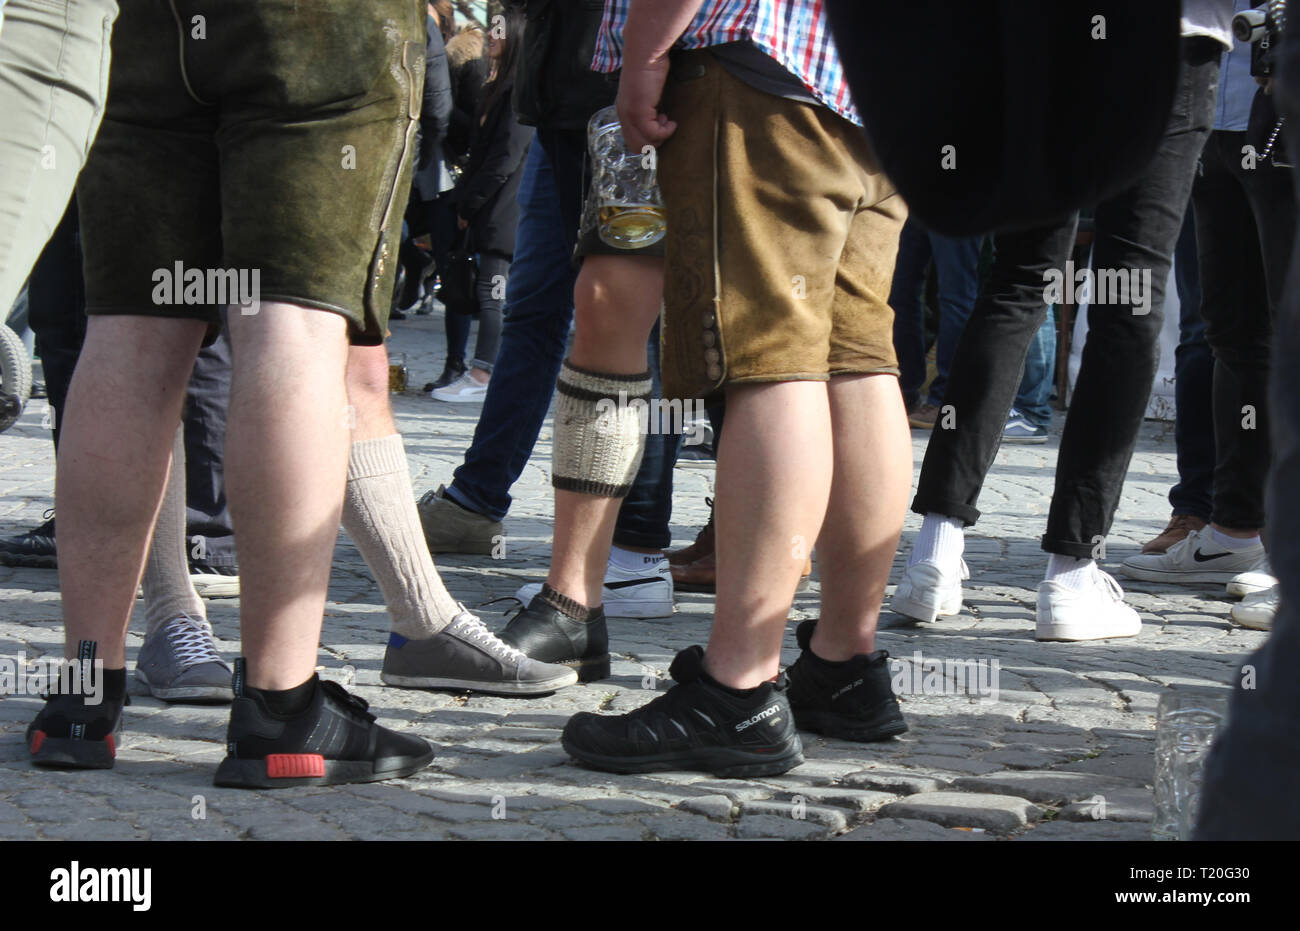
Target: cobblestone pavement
[{"x": 1069, "y": 722}]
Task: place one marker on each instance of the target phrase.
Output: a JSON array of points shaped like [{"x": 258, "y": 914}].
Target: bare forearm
[{"x": 652, "y": 27}]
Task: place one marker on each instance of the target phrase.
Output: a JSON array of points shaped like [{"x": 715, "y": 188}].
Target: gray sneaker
[
  {"x": 450, "y": 528},
  {"x": 466, "y": 655},
  {"x": 180, "y": 663}
]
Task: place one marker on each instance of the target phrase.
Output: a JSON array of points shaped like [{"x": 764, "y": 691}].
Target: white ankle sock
[
  {"x": 629, "y": 561},
  {"x": 940, "y": 541},
  {"x": 1235, "y": 544},
  {"x": 1077, "y": 574}
]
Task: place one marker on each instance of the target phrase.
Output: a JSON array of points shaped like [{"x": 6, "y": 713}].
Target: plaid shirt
[{"x": 794, "y": 32}]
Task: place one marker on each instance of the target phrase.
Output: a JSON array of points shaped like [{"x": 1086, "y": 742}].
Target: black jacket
[
  {"x": 435, "y": 116},
  {"x": 486, "y": 193},
  {"x": 555, "y": 86},
  {"x": 466, "y": 88}
]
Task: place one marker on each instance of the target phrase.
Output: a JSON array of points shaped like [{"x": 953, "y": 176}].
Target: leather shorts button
[
  {"x": 709, "y": 319},
  {"x": 710, "y": 338},
  {"x": 714, "y": 372},
  {"x": 712, "y": 356}
]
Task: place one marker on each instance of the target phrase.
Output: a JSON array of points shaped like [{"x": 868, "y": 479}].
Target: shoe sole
[
  {"x": 189, "y": 694},
  {"x": 464, "y": 549},
  {"x": 29, "y": 562},
  {"x": 1025, "y": 441},
  {"x": 724, "y": 763},
  {"x": 543, "y": 687},
  {"x": 66, "y": 753},
  {"x": 1242, "y": 589},
  {"x": 1176, "y": 578},
  {"x": 588, "y": 670},
  {"x": 1075, "y": 633},
  {"x": 226, "y": 587},
  {"x": 829, "y": 724},
  {"x": 920, "y": 611},
  {"x": 252, "y": 774}
]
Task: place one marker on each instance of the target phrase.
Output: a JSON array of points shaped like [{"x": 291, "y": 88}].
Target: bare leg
[
  {"x": 286, "y": 463},
  {"x": 616, "y": 302},
  {"x": 123, "y": 407},
  {"x": 873, "y": 476},
  {"x": 774, "y": 481},
  {"x": 367, "y": 383}
]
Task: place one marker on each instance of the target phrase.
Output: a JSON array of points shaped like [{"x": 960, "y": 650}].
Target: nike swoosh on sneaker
[
  {"x": 628, "y": 583},
  {"x": 1199, "y": 558}
]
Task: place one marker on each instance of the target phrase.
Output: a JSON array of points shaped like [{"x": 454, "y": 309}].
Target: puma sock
[
  {"x": 940, "y": 541},
  {"x": 380, "y": 516},
  {"x": 168, "y": 590},
  {"x": 629, "y": 561},
  {"x": 599, "y": 431},
  {"x": 1073, "y": 573}
]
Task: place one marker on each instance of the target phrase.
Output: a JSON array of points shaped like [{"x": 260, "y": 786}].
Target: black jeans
[
  {"x": 1249, "y": 788},
  {"x": 1136, "y": 229},
  {"x": 1193, "y": 386},
  {"x": 1245, "y": 229}
]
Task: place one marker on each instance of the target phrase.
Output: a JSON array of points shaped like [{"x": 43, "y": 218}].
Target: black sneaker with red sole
[
  {"x": 78, "y": 730},
  {"x": 335, "y": 740}
]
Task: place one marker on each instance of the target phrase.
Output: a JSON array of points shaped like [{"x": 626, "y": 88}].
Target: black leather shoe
[
  {"x": 33, "y": 549},
  {"x": 548, "y": 635}
]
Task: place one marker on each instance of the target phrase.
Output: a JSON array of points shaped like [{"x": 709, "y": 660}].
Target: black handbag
[{"x": 458, "y": 288}]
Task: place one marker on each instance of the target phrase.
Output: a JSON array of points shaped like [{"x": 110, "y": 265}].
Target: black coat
[
  {"x": 435, "y": 116},
  {"x": 486, "y": 193},
  {"x": 557, "y": 88}
]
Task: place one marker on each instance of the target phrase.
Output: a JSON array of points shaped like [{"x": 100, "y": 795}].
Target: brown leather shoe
[
  {"x": 702, "y": 576},
  {"x": 1180, "y": 525},
  {"x": 703, "y": 545}
]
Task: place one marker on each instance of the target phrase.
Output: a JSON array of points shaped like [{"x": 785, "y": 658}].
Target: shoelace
[
  {"x": 474, "y": 629},
  {"x": 192, "y": 640},
  {"x": 1108, "y": 582}
]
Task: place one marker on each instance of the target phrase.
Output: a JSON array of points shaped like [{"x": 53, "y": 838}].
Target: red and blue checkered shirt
[{"x": 794, "y": 32}]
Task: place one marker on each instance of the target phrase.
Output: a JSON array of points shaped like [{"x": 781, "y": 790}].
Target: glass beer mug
[{"x": 624, "y": 204}]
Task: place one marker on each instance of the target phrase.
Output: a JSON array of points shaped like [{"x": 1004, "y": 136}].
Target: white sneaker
[
  {"x": 927, "y": 591},
  {"x": 1095, "y": 613},
  {"x": 1256, "y": 580},
  {"x": 464, "y": 390},
  {"x": 1195, "y": 558},
  {"x": 1257, "y": 610},
  {"x": 628, "y": 593}
]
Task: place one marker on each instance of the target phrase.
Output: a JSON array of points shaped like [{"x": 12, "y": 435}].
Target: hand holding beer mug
[{"x": 624, "y": 203}]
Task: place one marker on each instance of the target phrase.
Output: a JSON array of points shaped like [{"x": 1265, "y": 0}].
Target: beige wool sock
[
  {"x": 168, "y": 590},
  {"x": 379, "y": 515},
  {"x": 599, "y": 431}
]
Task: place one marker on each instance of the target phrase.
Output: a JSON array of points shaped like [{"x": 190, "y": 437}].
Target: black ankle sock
[
  {"x": 114, "y": 684},
  {"x": 826, "y": 663},
  {"x": 289, "y": 702},
  {"x": 567, "y": 605},
  {"x": 738, "y": 693}
]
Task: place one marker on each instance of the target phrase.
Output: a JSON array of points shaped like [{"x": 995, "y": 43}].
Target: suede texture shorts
[
  {"x": 782, "y": 234},
  {"x": 259, "y": 145}
]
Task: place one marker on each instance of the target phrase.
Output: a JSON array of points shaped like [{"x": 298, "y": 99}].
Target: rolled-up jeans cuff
[{"x": 962, "y": 512}]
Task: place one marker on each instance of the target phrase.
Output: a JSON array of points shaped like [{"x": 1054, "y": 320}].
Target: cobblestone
[{"x": 1070, "y": 720}]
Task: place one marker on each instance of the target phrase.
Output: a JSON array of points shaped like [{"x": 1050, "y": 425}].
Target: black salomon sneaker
[
  {"x": 34, "y": 549},
  {"x": 695, "y": 725},
  {"x": 852, "y": 700},
  {"x": 335, "y": 740},
  {"x": 545, "y": 633},
  {"x": 73, "y": 733}
]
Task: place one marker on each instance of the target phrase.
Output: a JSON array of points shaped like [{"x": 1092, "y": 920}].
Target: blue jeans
[
  {"x": 537, "y": 317},
  {"x": 1035, "y": 392},
  {"x": 1193, "y": 386},
  {"x": 956, "y": 263}
]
